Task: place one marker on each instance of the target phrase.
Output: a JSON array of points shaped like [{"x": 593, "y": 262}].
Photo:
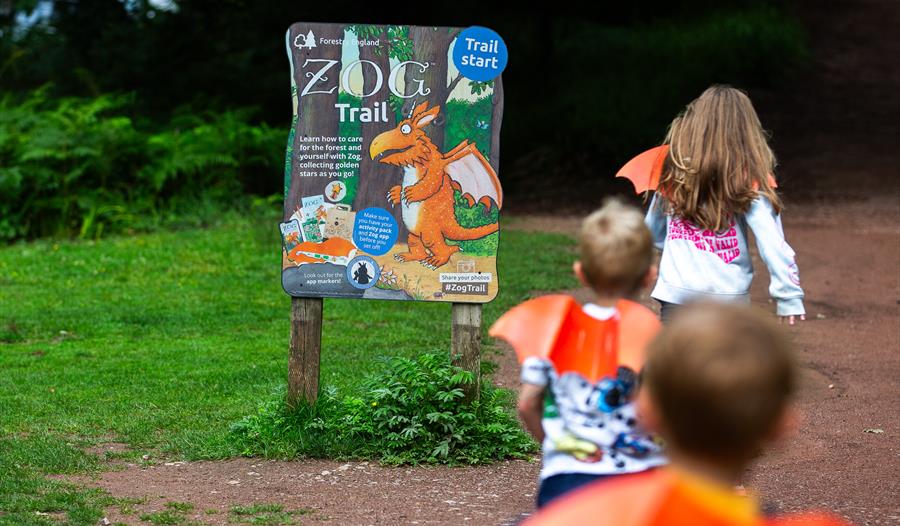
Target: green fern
[{"x": 82, "y": 167}]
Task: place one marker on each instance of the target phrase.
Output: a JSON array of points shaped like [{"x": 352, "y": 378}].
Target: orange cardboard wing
[
  {"x": 627, "y": 500},
  {"x": 556, "y": 328},
  {"x": 532, "y": 327},
  {"x": 644, "y": 170},
  {"x": 807, "y": 519},
  {"x": 659, "y": 498},
  {"x": 637, "y": 327},
  {"x": 587, "y": 346}
]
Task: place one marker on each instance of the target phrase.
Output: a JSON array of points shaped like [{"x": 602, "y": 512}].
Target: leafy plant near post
[{"x": 410, "y": 413}]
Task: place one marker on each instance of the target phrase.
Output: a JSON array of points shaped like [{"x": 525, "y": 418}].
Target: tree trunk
[
  {"x": 317, "y": 114},
  {"x": 430, "y": 46},
  {"x": 496, "y": 122},
  {"x": 377, "y": 178}
]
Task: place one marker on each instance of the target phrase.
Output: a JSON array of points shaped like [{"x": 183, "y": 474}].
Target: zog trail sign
[{"x": 391, "y": 185}]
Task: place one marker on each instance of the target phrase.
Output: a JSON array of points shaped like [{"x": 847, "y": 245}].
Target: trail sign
[{"x": 391, "y": 186}]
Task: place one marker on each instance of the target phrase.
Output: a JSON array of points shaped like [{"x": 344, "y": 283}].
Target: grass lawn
[{"x": 161, "y": 341}]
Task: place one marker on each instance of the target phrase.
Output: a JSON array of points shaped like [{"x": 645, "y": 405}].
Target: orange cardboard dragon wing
[
  {"x": 644, "y": 170},
  {"x": 660, "y": 498},
  {"x": 587, "y": 346},
  {"x": 532, "y": 327},
  {"x": 627, "y": 500},
  {"x": 638, "y": 326},
  {"x": 557, "y": 329},
  {"x": 473, "y": 175}
]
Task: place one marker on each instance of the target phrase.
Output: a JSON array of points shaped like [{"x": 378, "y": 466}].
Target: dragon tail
[{"x": 459, "y": 233}]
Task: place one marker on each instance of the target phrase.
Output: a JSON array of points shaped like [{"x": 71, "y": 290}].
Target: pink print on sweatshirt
[{"x": 724, "y": 245}]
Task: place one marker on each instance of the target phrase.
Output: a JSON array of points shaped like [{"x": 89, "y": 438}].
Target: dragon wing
[
  {"x": 473, "y": 176},
  {"x": 638, "y": 326},
  {"x": 556, "y": 329},
  {"x": 645, "y": 169},
  {"x": 532, "y": 327}
]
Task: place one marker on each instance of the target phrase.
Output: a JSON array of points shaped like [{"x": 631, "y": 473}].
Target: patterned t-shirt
[{"x": 591, "y": 429}]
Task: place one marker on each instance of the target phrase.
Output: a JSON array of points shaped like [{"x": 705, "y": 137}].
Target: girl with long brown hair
[{"x": 717, "y": 181}]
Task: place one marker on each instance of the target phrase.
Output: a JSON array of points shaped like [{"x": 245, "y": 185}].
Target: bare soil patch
[{"x": 326, "y": 492}]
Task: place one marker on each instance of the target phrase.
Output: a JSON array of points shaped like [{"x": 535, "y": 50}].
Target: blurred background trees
[{"x": 120, "y": 115}]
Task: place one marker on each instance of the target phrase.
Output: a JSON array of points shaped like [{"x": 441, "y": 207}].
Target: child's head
[
  {"x": 719, "y": 160},
  {"x": 616, "y": 250},
  {"x": 718, "y": 381}
]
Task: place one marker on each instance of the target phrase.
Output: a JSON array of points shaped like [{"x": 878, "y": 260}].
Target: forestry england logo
[{"x": 307, "y": 41}]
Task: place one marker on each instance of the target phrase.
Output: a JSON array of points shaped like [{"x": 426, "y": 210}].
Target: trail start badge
[
  {"x": 391, "y": 186},
  {"x": 480, "y": 54}
]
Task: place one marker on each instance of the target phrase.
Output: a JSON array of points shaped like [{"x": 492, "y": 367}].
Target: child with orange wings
[
  {"x": 716, "y": 387},
  {"x": 580, "y": 364}
]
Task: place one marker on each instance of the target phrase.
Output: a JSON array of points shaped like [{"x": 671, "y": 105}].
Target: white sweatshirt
[{"x": 698, "y": 264}]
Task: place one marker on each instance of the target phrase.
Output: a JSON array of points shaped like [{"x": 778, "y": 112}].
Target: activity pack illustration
[{"x": 391, "y": 185}]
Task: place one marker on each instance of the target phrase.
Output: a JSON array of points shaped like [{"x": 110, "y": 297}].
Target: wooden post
[
  {"x": 466, "y": 343},
  {"x": 306, "y": 340}
]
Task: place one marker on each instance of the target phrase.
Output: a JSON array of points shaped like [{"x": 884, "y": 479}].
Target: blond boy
[{"x": 588, "y": 428}]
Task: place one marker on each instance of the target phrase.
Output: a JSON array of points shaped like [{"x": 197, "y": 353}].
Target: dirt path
[
  {"x": 846, "y": 454},
  {"x": 326, "y": 492},
  {"x": 837, "y": 134},
  {"x": 846, "y": 457}
]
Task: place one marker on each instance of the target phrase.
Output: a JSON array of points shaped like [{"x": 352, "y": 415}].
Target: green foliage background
[
  {"x": 625, "y": 98},
  {"x": 118, "y": 117},
  {"x": 85, "y": 167}
]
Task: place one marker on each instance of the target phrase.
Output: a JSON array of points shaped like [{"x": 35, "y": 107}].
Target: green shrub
[
  {"x": 412, "y": 412},
  {"x": 219, "y": 153},
  {"x": 62, "y": 163},
  {"x": 79, "y": 166}
]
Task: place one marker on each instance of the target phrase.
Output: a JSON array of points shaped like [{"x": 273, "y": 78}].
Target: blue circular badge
[
  {"x": 363, "y": 272},
  {"x": 375, "y": 231},
  {"x": 479, "y": 53}
]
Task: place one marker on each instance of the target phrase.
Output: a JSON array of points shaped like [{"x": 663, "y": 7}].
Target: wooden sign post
[
  {"x": 306, "y": 344},
  {"x": 466, "y": 343},
  {"x": 391, "y": 186}
]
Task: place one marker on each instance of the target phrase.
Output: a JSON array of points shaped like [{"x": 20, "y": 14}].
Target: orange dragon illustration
[{"x": 429, "y": 179}]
